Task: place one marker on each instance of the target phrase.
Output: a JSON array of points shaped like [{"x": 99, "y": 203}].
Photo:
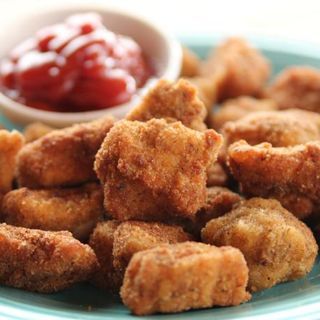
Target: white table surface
[{"x": 294, "y": 20}]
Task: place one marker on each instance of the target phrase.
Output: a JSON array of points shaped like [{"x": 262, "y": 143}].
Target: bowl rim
[{"x": 171, "y": 70}]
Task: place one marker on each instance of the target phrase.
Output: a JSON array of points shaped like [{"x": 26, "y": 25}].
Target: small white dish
[{"x": 158, "y": 45}]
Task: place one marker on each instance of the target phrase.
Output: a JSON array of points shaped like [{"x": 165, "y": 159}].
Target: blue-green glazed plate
[{"x": 294, "y": 300}]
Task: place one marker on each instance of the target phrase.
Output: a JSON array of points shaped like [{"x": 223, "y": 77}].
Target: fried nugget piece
[
  {"x": 276, "y": 245},
  {"x": 216, "y": 175},
  {"x": 234, "y": 109},
  {"x": 36, "y": 130},
  {"x": 43, "y": 261},
  {"x": 172, "y": 101},
  {"x": 153, "y": 169},
  {"x": 183, "y": 276},
  {"x": 296, "y": 87},
  {"x": 190, "y": 63},
  {"x": 10, "y": 144},
  {"x": 101, "y": 241},
  {"x": 74, "y": 209},
  {"x": 62, "y": 157},
  {"x": 280, "y": 128},
  {"x": 290, "y": 175},
  {"x": 245, "y": 69},
  {"x": 134, "y": 236}
]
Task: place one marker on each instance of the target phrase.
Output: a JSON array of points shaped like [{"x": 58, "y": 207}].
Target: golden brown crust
[
  {"x": 276, "y": 245},
  {"x": 190, "y": 63},
  {"x": 74, "y": 209},
  {"x": 36, "y": 130},
  {"x": 172, "y": 101},
  {"x": 62, "y": 157},
  {"x": 216, "y": 175},
  {"x": 154, "y": 168},
  {"x": 183, "y": 276},
  {"x": 296, "y": 87},
  {"x": 235, "y": 109},
  {"x": 245, "y": 68},
  {"x": 10, "y": 145},
  {"x": 43, "y": 261},
  {"x": 280, "y": 128},
  {"x": 290, "y": 174},
  {"x": 101, "y": 241},
  {"x": 134, "y": 236}
]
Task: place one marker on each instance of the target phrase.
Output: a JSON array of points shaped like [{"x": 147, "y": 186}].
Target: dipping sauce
[{"x": 78, "y": 65}]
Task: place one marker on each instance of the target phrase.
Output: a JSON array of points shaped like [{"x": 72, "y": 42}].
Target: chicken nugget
[
  {"x": 234, "y": 109},
  {"x": 183, "y": 276},
  {"x": 10, "y": 144},
  {"x": 280, "y": 128},
  {"x": 101, "y": 241},
  {"x": 245, "y": 69},
  {"x": 134, "y": 236},
  {"x": 62, "y": 157},
  {"x": 152, "y": 169},
  {"x": 36, "y": 130},
  {"x": 290, "y": 175},
  {"x": 190, "y": 63},
  {"x": 43, "y": 261},
  {"x": 276, "y": 245},
  {"x": 74, "y": 209},
  {"x": 172, "y": 101},
  {"x": 296, "y": 87}
]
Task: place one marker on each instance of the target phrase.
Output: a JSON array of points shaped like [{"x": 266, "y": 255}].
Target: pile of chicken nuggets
[{"x": 181, "y": 205}]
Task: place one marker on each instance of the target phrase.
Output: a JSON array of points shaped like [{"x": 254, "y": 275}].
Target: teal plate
[{"x": 293, "y": 300}]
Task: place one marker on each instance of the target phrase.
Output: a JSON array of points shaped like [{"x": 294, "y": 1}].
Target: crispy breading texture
[
  {"x": 216, "y": 175},
  {"x": 172, "y": 101},
  {"x": 276, "y": 245},
  {"x": 280, "y": 128},
  {"x": 190, "y": 63},
  {"x": 36, "y": 130},
  {"x": 296, "y": 87},
  {"x": 62, "y": 157},
  {"x": 245, "y": 69},
  {"x": 152, "y": 169},
  {"x": 183, "y": 276},
  {"x": 10, "y": 145},
  {"x": 74, "y": 209},
  {"x": 101, "y": 241},
  {"x": 290, "y": 174},
  {"x": 134, "y": 236},
  {"x": 235, "y": 109},
  {"x": 43, "y": 261}
]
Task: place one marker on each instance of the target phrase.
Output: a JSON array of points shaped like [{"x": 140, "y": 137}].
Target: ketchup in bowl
[{"x": 78, "y": 65}]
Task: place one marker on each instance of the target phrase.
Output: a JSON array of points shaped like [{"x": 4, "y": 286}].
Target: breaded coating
[
  {"x": 134, "y": 236},
  {"x": 190, "y": 63},
  {"x": 43, "y": 261},
  {"x": 36, "y": 130},
  {"x": 74, "y": 209},
  {"x": 174, "y": 102},
  {"x": 296, "y": 87},
  {"x": 184, "y": 276},
  {"x": 10, "y": 145},
  {"x": 280, "y": 128},
  {"x": 216, "y": 175},
  {"x": 62, "y": 157},
  {"x": 290, "y": 174},
  {"x": 101, "y": 241},
  {"x": 234, "y": 109},
  {"x": 152, "y": 169},
  {"x": 276, "y": 245},
  {"x": 245, "y": 69}
]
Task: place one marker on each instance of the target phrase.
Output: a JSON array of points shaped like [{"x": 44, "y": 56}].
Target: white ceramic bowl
[{"x": 159, "y": 46}]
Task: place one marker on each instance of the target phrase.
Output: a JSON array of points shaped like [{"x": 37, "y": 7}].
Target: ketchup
[{"x": 78, "y": 65}]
